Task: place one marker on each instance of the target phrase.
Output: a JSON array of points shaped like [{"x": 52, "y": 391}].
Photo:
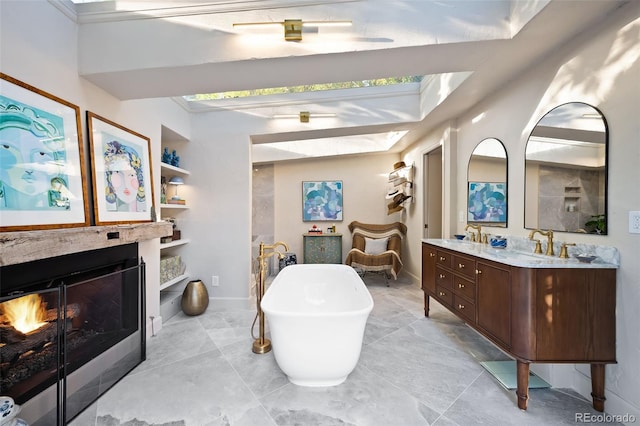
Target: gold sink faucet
[
  {"x": 477, "y": 228},
  {"x": 563, "y": 250},
  {"x": 549, "y": 235}
]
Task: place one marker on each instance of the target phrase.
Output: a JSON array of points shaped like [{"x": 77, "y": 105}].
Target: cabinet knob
[
  {"x": 442, "y": 293},
  {"x": 432, "y": 254},
  {"x": 460, "y": 285},
  {"x": 478, "y": 271},
  {"x": 442, "y": 258},
  {"x": 460, "y": 306},
  {"x": 461, "y": 265},
  {"x": 442, "y": 276}
]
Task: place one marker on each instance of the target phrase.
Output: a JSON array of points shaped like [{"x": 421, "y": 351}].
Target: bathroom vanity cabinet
[{"x": 544, "y": 312}]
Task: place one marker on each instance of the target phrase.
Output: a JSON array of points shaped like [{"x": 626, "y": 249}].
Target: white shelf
[
  {"x": 170, "y": 293},
  {"x": 176, "y": 280},
  {"x": 176, "y": 243},
  {"x": 173, "y": 206},
  {"x": 174, "y": 169}
]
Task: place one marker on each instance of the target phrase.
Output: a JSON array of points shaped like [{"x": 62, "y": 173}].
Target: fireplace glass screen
[{"x": 67, "y": 338}]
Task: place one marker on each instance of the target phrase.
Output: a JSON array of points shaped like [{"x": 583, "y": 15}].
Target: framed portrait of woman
[
  {"x": 121, "y": 171},
  {"x": 42, "y": 173}
]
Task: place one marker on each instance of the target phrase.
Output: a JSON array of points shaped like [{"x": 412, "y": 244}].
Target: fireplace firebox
[{"x": 70, "y": 327}]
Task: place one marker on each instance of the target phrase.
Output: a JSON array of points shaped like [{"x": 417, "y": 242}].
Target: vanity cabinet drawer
[
  {"x": 465, "y": 266},
  {"x": 444, "y": 278},
  {"x": 464, "y": 287},
  {"x": 444, "y": 258},
  {"x": 444, "y": 295},
  {"x": 465, "y": 308}
]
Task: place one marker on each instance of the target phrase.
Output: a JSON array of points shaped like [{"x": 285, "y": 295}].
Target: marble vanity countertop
[{"x": 513, "y": 257}]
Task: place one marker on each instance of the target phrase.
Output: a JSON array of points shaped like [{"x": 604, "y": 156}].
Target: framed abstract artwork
[
  {"x": 322, "y": 201},
  {"x": 487, "y": 202},
  {"x": 121, "y": 171},
  {"x": 42, "y": 172}
]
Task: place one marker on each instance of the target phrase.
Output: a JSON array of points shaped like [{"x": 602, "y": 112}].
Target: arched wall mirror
[
  {"x": 487, "y": 184},
  {"x": 566, "y": 171}
]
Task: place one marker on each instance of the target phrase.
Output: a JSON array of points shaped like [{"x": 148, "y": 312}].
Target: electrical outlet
[
  {"x": 634, "y": 222},
  {"x": 215, "y": 281}
]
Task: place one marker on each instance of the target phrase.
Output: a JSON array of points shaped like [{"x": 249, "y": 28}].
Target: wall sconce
[
  {"x": 304, "y": 116},
  {"x": 293, "y": 27}
]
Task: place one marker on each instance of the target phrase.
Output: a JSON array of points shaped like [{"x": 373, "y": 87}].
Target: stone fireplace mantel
[{"x": 26, "y": 246}]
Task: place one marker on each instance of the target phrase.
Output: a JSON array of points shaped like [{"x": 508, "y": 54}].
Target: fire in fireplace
[
  {"x": 70, "y": 327},
  {"x": 26, "y": 314}
]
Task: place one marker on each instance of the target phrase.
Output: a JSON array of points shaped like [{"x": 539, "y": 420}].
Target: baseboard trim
[{"x": 614, "y": 405}]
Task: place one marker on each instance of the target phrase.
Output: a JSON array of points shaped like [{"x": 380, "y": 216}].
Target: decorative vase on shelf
[
  {"x": 166, "y": 157},
  {"x": 195, "y": 298}
]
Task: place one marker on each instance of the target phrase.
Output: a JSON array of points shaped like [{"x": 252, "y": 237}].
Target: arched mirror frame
[
  {"x": 487, "y": 191},
  {"x": 595, "y": 224}
]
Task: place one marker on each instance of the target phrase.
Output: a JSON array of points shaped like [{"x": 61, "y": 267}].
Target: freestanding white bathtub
[{"x": 317, "y": 315}]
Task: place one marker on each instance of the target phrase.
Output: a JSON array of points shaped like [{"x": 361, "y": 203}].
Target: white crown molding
[
  {"x": 95, "y": 12},
  {"x": 67, "y": 7}
]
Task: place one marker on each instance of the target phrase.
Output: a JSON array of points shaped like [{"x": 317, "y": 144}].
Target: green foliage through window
[{"x": 304, "y": 88}]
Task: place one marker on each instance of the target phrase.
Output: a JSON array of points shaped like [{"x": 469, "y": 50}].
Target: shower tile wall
[
  {"x": 569, "y": 197},
  {"x": 262, "y": 215}
]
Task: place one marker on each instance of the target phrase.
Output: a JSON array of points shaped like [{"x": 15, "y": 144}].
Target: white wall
[
  {"x": 38, "y": 46},
  {"x": 445, "y": 137},
  {"x": 602, "y": 68},
  {"x": 364, "y": 179}
]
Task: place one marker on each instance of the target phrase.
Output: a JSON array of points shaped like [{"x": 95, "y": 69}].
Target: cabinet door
[
  {"x": 494, "y": 301},
  {"x": 332, "y": 249},
  {"x": 429, "y": 268},
  {"x": 321, "y": 249}
]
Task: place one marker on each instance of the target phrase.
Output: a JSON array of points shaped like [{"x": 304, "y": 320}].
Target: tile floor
[{"x": 412, "y": 371}]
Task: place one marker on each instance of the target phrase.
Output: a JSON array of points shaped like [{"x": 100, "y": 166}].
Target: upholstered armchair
[{"x": 376, "y": 248}]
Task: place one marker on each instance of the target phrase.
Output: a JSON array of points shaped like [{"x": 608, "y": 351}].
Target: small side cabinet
[{"x": 322, "y": 248}]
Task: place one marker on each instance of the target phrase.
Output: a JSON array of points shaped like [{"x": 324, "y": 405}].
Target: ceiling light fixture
[
  {"x": 293, "y": 27},
  {"x": 304, "y": 116}
]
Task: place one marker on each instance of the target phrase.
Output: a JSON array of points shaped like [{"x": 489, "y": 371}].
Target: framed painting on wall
[
  {"x": 487, "y": 202},
  {"x": 322, "y": 201},
  {"x": 42, "y": 173},
  {"x": 121, "y": 170}
]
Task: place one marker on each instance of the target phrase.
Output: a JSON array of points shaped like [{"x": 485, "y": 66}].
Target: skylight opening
[{"x": 304, "y": 88}]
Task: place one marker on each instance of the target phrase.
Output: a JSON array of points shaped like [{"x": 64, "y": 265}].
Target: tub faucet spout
[
  {"x": 262, "y": 345},
  {"x": 273, "y": 247}
]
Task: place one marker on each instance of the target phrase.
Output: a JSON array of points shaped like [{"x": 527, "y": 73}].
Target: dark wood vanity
[{"x": 536, "y": 314}]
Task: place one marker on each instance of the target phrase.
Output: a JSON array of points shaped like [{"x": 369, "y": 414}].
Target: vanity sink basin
[
  {"x": 459, "y": 242},
  {"x": 518, "y": 256}
]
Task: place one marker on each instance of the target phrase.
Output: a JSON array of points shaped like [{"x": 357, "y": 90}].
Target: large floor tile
[{"x": 413, "y": 370}]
